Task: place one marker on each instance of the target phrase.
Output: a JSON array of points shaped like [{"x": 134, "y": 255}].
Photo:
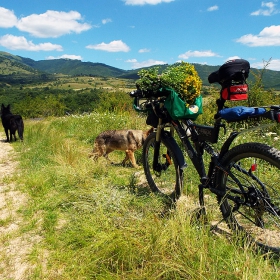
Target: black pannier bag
[{"x": 232, "y": 77}]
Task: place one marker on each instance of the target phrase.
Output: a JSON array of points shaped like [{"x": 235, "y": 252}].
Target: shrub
[{"x": 258, "y": 96}]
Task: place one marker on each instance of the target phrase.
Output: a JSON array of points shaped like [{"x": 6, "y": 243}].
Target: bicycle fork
[{"x": 156, "y": 166}]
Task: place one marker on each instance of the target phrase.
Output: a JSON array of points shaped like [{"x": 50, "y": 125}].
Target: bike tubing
[{"x": 251, "y": 200}]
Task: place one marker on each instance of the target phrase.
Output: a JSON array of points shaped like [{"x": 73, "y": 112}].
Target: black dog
[{"x": 11, "y": 123}]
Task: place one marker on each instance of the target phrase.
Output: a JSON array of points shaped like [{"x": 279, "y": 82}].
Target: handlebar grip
[{"x": 136, "y": 93}]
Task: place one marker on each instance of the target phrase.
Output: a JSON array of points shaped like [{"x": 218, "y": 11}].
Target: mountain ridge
[{"x": 13, "y": 66}]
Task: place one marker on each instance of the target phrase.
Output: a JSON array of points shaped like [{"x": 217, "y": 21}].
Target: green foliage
[
  {"x": 184, "y": 79},
  {"x": 181, "y": 77},
  {"x": 209, "y": 110},
  {"x": 81, "y": 101},
  {"x": 40, "y": 107},
  {"x": 149, "y": 79},
  {"x": 114, "y": 101},
  {"x": 258, "y": 96},
  {"x": 44, "y": 102}
]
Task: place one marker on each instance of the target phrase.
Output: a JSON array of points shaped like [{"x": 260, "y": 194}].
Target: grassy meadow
[{"x": 91, "y": 220}]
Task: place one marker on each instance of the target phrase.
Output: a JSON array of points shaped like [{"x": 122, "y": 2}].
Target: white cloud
[
  {"x": 147, "y": 63},
  {"x": 106, "y": 20},
  {"x": 274, "y": 64},
  {"x": 20, "y": 43},
  {"x": 133, "y": 60},
  {"x": 52, "y": 24},
  {"x": 144, "y": 50},
  {"x": 7, "y": 18},
  {"x": 213, "y": 8},
  {"x": 114, "y": 46},
  {"x": 189, "y": 54},
  {"x": 269, "y": 36},
  {"x": 269, "y": 9},
  {"x": 66, "y": 56},
  {"x": 144, "y": 2}
]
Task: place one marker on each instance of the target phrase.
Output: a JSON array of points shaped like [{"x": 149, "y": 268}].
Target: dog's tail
[
  {"x": 94, "y": 154},
  {"x": 99, "y": 148},
  {"x": 18, "y": 123},
  {"x": 20, "y": 128}
]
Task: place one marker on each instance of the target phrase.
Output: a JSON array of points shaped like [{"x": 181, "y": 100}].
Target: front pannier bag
[{"x": 178, "y": 109}]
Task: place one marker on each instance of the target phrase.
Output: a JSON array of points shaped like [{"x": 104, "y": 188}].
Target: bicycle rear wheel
[
  {"x": 167, "y": 178},
  {"x": 252, "y": 193}
]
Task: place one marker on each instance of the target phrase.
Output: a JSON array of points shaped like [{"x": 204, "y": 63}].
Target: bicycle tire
[
  {"x": 255, "y": 212},
  {"x": 167, "y": 181}
]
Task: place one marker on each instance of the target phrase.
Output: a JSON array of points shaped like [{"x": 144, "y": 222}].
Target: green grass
[{"x": 99, "y": 221}]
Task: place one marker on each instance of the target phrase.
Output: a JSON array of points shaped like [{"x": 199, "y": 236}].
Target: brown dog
[{"x": 128, "y": 140}]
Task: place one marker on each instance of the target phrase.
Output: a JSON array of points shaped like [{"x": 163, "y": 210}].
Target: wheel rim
[{"x": 165, "y": 179}]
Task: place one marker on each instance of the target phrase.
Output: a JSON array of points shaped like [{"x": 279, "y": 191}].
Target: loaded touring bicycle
[{"x": 244, "y": 178}]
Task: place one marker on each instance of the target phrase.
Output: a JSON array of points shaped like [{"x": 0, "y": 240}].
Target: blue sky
[{"x": 129, "y": 34}]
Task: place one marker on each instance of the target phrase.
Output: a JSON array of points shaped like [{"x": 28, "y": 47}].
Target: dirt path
[{"x": 14, "y": 246}]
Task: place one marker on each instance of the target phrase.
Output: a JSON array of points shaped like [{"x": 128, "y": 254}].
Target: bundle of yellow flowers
[{"x": 181, "y": 77}]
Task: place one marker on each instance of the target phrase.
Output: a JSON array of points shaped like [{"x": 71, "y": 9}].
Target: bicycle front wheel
[
  {"x": 251, "y": 185},
  {"x": 166, "y": 178}
]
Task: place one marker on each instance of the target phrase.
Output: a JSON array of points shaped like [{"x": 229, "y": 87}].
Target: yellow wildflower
[{"x": 181, "y": 77}]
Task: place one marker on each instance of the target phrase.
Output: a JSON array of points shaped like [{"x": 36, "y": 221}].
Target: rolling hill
[
  {"x": 16, "y": 69},
  {"x": 13, "y": 70}
]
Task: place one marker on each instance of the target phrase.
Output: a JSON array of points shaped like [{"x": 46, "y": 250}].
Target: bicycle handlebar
[{"x": 273, "y": 112}]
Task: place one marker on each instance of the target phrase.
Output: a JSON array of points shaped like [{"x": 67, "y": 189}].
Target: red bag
[{"x": 235, "y": 92}]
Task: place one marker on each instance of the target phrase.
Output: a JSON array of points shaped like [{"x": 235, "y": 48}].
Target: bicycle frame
[
  {"x": 196, "y": 139},
  {"x": 238, "y": 176},
  {"x": 195, "y": 152}
]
